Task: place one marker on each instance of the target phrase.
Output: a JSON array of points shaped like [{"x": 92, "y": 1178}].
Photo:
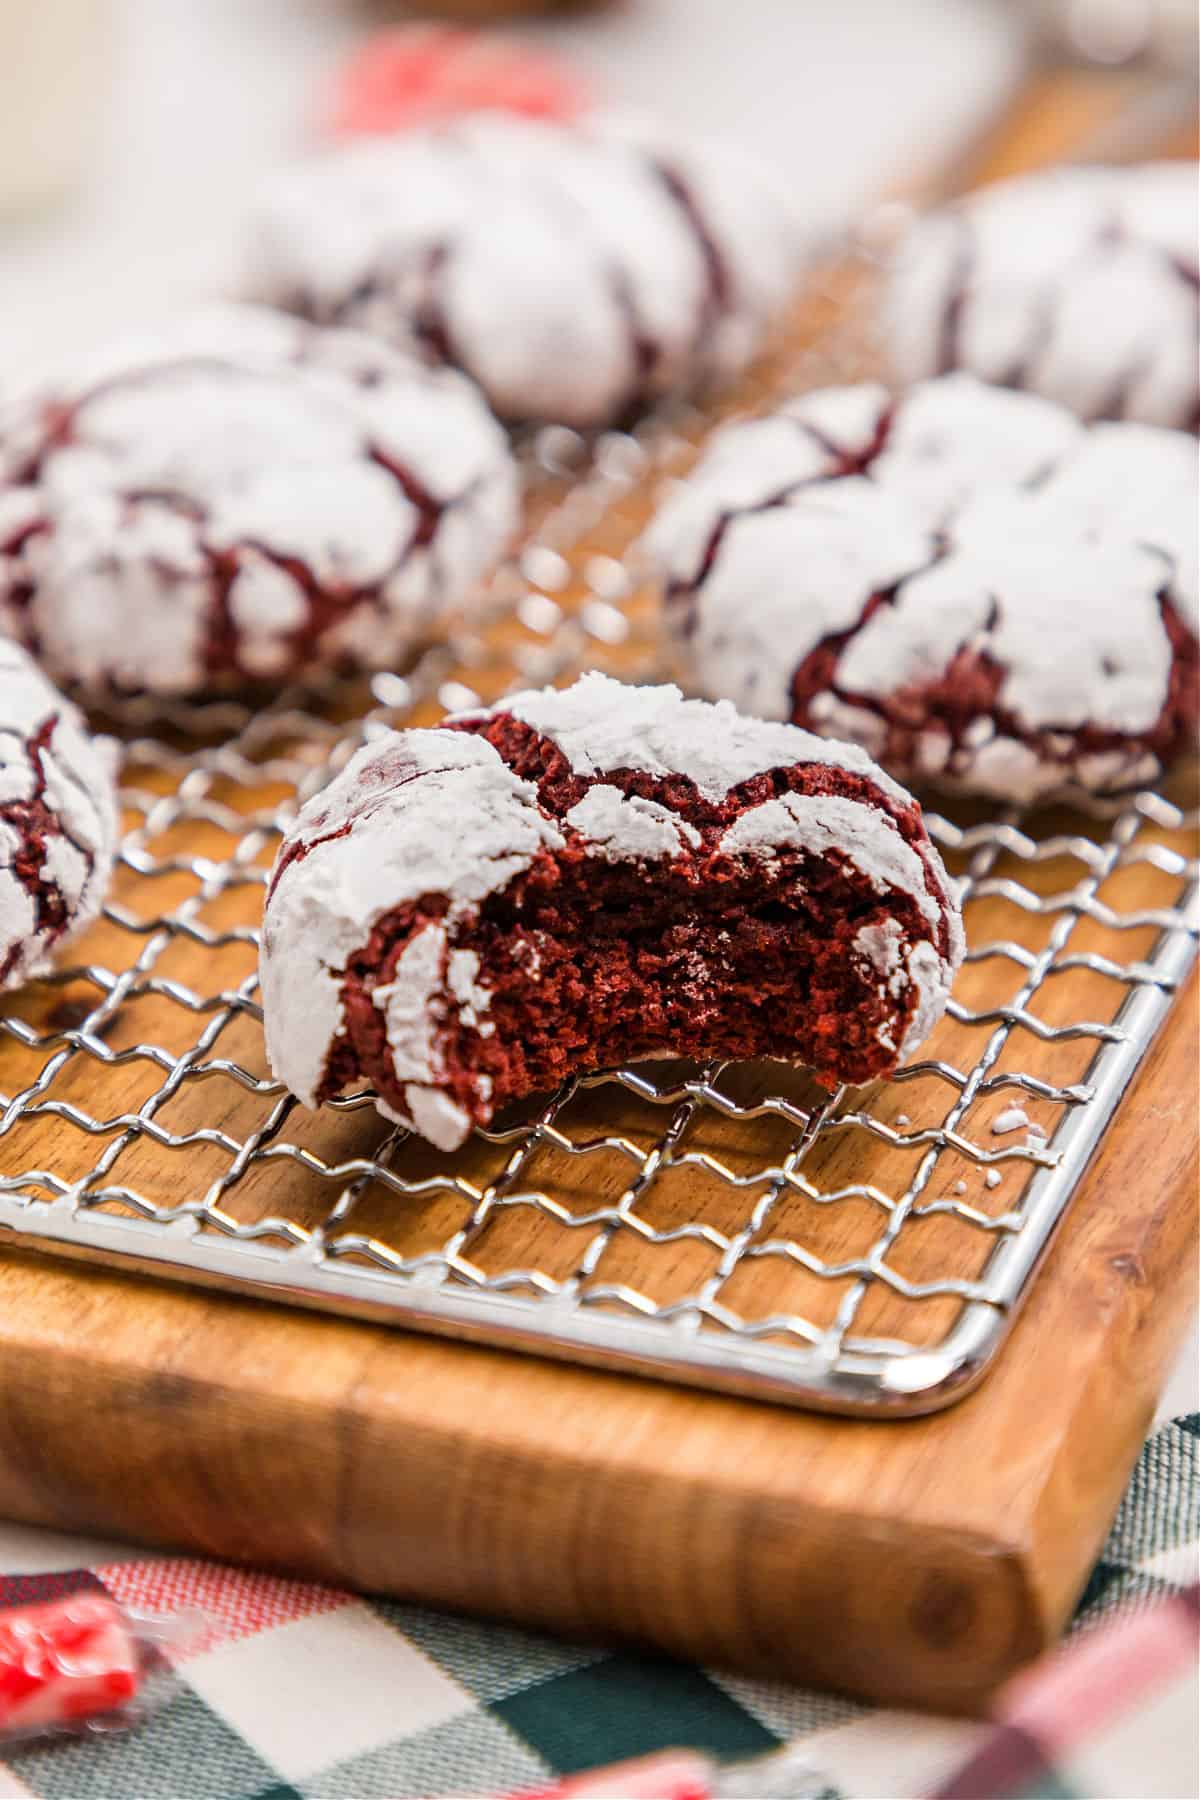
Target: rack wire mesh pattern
[{"x": 728, "y": 1226}]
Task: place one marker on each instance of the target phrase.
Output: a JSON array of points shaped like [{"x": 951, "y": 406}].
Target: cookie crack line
[
  {"x": 954, "y": 304},
  {"x": 533, "y": 755},
  {"x": 718, "y": 298},
  {"x": 847, "y": 462},
  {"x": 972, "y": 689},
  {"x": 328, "y": 604}
]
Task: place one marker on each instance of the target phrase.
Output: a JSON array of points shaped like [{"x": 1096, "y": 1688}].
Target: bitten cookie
[
  {"x": 576, "y": 272},
  {"x": 578, "y": 879},
  {"x": 969, "y": 583},
  {"x": 1080, "y": 284},
  {"x": 244, "y": 498},
  {"x": 58, "y": 819}
]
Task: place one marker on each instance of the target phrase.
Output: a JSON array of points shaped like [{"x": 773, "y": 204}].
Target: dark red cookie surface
[{"x": 583, "y": 878}]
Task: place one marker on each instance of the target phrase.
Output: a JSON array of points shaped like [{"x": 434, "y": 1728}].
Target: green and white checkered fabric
[{"x": 311, "y": 1694}]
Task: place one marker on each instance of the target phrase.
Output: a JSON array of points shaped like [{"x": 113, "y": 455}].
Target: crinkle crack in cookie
[
  {"x": 981, "y": 591},
  {"x": 1078, "y": 284},
  {"x": 244, "y": 498},
  {"x": 58, "y": 819},
  {"x": 576, "y": 272},
  {"x": 578, "y": 879}
]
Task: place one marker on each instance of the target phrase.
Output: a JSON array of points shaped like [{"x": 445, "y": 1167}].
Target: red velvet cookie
[
  {"x": 1081, "y": 284},
  {"x": 984, "y": 593},
  {"x": 582, "y": 878},
  {"x": 58, "y": 819},
  {"x": 244, "y": 498},
  {"x": 576, "y": 272}
]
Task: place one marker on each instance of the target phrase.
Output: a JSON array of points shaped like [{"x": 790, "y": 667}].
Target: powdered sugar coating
[
  {"x": 1080, "y": 284},
  {"x": 601, "y": 725},
  {"x": 819, "y": 824},
  {"x": 576, "y": 272},
  {"x": 422, "y": 827},
  {"x": 243, "y": 497},
  {"x": 971, "y": 584},
  {"x": 417, "y": 812},
  {"x": 58, "y": 819},
  {"x": 620, "y": 827}
]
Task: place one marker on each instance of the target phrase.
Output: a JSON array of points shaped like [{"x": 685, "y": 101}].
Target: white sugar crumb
[
  {"x": 960, "y": 1187},
  {"x": 903, "y": 1119},
  {"x": 993, "y": 1178},
  {"x": 1013, "y": 1118}
]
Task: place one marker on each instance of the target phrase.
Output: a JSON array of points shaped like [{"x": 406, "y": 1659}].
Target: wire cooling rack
[{"x": 729, "y": 1226}]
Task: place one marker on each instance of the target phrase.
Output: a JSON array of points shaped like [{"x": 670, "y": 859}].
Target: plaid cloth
[{"x": 305, "y": 1691}]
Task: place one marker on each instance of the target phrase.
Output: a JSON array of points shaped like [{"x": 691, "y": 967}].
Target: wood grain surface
[{"x": 917, "y": 1562}]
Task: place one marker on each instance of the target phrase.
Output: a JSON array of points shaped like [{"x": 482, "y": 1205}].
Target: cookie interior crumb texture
[
  {"x": 244, "y": 498},
  {"x": 577, "y": 272},
  {"x": 582, "y": 878},
  {"x": 58, "y": 819},
  {"x": 982, "y": 591},
  {"x": 1081, "y": 284}
]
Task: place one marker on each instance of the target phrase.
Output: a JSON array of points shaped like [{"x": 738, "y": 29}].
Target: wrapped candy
[
  {"x": 81, "y": 1662},
  {"x": 690, "y": 1775},
  {"x": 64, "y": 1661},
  {"x": 424, "y": 74}
]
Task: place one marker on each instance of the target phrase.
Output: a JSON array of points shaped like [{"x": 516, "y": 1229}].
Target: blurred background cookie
[
  {"x": 578, "y": 273},
  {"x": 1078, "y": 283}
]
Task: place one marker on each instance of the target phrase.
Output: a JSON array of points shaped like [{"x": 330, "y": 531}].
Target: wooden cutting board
[
  {"x": 911, "y": 1562},
  {"x": 916, "y": 1562}
]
